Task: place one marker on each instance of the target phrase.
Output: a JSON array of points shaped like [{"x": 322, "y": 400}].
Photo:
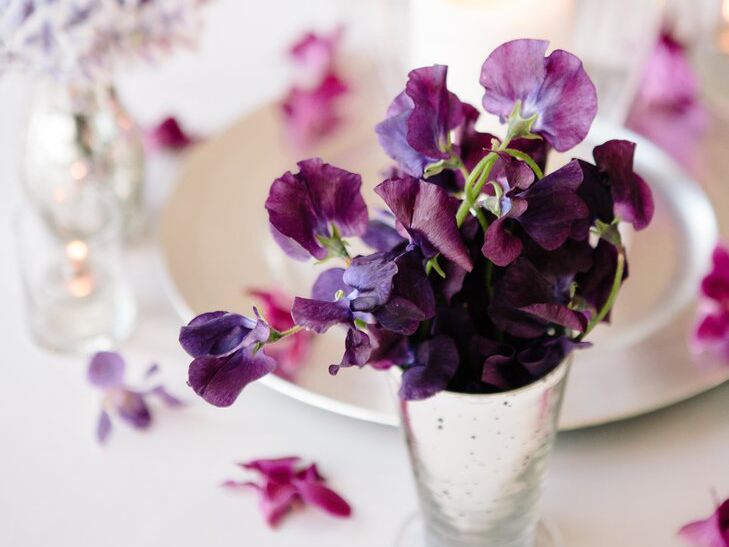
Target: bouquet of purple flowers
[{"x": 486, "y": 272}]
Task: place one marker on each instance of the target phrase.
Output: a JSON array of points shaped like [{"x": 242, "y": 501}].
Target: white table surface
[{"x": 628, "y": 484}]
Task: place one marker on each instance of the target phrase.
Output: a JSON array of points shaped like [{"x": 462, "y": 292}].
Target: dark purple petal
[
  {"x": 632, "y": 196},
  {"x": 275, "y": 469},
  {"x": 412, "y": 283},
  {"x": 219, "y": 380},
  {"x": 391, "y": 348},
  {"x": 301, "y": 207},
  {"x": 106, "y": 370},
  {"x": 382, "y": 236},
  {"x": 596, "y": 284},
  {"x": 170, "y": 135},
  {"x": 216, "y": 333},
  {"x": 427, "y": 212},
  {"x": 103, "y": 427},
  {"x": 166, "y": 397},
  {"x": 320, "y": 315},
  {"x": 315, "y": 493},
  {"x": 131, "y": 407},
  {"x": 392, "y": 134},
  {"x": 556, "y": 88},
  {"x": 276, "y": 501},
  {"x": 500, "y": 246},
  {"x": 543, "y": 355},
  {"x": 493, "y": 372},
  {"x": 400, "y": 315},
  {"x": 716, "y": 284},
  {"x": 357, "y": 350},
  {"x": 558, "y": 314},
  {"x": 436, "y": 363}
]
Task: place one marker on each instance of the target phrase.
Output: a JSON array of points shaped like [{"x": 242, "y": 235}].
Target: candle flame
[
  {"x": 725, "y": 10},
  {"x": 77, "y": 250},
  {"x": 80, "y": 285}
]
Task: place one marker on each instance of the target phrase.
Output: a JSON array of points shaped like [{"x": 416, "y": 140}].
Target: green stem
[
  {"x": 526, "y": 158},
  {"x": 617, "y": 281},
  {"x": 276, "y": 335}
]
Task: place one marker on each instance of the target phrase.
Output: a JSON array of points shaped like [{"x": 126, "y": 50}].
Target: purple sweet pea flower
[
  {"x": 710, "y": 532},
  {"x": 304, "y": 208},
  {"x": 106, "y": 372},
  {"x": 227, "y": 354},
  {"x": 556, "y": 89},
  {"x": 427, "y": 213},
  {"x": 419, "y": 120},
  {"x": 284, "y": 483},
  {"x": 633, "y": 200},
  {"x": 712, "y": 330},
  {"x": 548, "y": 210}
]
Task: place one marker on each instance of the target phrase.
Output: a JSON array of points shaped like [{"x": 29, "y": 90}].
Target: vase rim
[{"x": 553, "y": 376}]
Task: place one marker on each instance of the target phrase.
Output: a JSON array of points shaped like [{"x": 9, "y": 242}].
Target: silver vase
[
  {"x": 80, "y": 139},
  {"x": 479, "y": 463}
]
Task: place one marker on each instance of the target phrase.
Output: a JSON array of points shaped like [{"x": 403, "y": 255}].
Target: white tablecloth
[{"x": 629, "y": 484}]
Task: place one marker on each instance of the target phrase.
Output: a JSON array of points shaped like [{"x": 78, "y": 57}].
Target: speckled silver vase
[
  {"x": 479, "y": 463},
  {"x": 80, "y": 139}
]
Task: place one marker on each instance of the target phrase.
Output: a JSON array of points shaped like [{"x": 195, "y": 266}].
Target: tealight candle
[{"x": 78, "y": 298}]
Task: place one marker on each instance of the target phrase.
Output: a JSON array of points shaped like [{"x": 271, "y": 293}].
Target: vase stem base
[{"x": 412, "y": 534}]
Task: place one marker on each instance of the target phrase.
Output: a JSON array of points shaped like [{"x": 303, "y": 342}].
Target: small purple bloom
[
  {"x": 547, "y": 210},
  {"x": 631, "y": 194},
  {"x": 106, "y": 372},
  {"x": 284, "y": 483},
  {"x": 419, "y": 120},
  {"x": 315, "y": 54},
  {"x": 712, "y": 330},
  {"x": 435, "y": 365},
  {"x": 305, "y": 208},
  {"x": 556, "y": 88},
  {"x": 227, "y": 354},
  {"x": 710, "y": 532},
  {"x": 427, "y": 212}
]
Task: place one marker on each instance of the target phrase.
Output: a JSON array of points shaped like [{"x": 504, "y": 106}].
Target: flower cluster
[
  {"x": 710, "y": 532},
  {"x": 86, "y": 38},
  {"x": 106, "y": 372},
  {"x": 310, "y": 107},
  {"x": 485, "y": 272},
  {"x": 285, "y": 483}
]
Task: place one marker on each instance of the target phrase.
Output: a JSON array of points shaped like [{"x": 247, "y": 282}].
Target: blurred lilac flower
[
  {"x": 315, "y": 55},
  {"x": 291, "y": 351},
  {"x": 169, "y": 135},
  {"x": 419, "y": 120},
  {"x": 308, "y": 211},
  {"x": 710, "y": 532},
  {"x": 284, "y": 483},
  {"x": 547, "y": 210},
  {"x": 555, "y": 88},
  {"x": 712, "y": 330},
  {"x": 227, "y": 354},
  {"x": 106, "y": 372},
  {"x": 427, "y": 213},
  {"x": 310, "y": 114},
  {"x": 668, "y": 108},
  {"x": 87, "y": 39}
]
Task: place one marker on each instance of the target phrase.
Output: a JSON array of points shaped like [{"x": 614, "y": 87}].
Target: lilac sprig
[
  {"x": 106, "y": 372},
  {"x": 487, "y": 271}
]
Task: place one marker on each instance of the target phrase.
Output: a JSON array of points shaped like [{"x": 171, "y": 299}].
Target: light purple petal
[
  {"x": 132, "y": 408},
  {"x": 320, "y": 315},
  {"x": 166, "y": 397},
  {"x": 215, "y": 333},
  {"x": 357, "y": 350},
  {"x": 103, "y": 427},
  {"x": 328, "y": 284},
  {"x": 106, "y": 370},
  {"x": 220, "y": 379}
]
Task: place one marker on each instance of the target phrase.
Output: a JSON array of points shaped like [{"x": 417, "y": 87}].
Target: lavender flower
[
  {"x": 284, "y": 483},
  {"x": 106, "y": 372}
]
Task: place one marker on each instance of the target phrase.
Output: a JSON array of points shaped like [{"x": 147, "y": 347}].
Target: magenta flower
[
  {"x": 106, "y": 372},
  {"x": 710, "y": 532},
  {"x": 227, "y": 354},
  {"x": 315, "y": 54},
  {"x": 712, "y": 330},
  {"x": 310, "y": 114},
  {"x": 169, "y": 135},
  {"x": 290, "y": 352},
  {"x": 308, "y": 211},
  {"x": 284, "y": 484},
  {"x": 555, "y": 88},
  {"x": 419, "y": 120}
]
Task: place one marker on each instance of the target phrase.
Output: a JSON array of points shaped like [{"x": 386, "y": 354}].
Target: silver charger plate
[{"x": 215, "y": 244}]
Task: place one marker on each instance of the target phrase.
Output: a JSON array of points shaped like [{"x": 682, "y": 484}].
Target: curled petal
[
  {"x": 106, "y": 370},
  {"x": 220, "y": 379},
  {"x": 320, "y": 315},
  {"x": 357, "y": 350},
  {"x": 372, "y": 276},
  {"x": 500, "y": 246},
  {"x": 427, "y": 212},
  {"x": 216, "y": 333}
]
